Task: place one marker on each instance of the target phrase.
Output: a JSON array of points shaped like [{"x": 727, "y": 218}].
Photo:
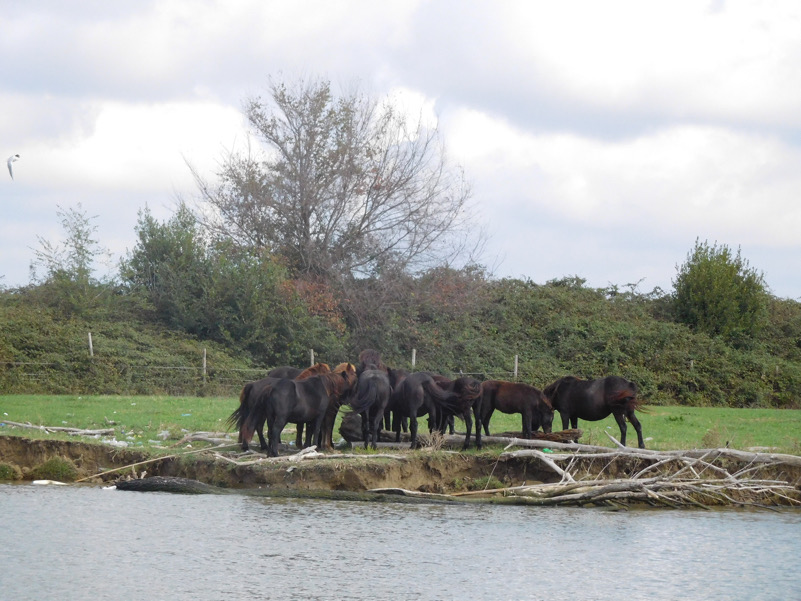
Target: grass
[{"x": 140, "y": 420}]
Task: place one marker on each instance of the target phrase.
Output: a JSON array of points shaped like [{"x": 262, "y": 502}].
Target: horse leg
[
  {"x": 478, "y": 427},
  {"x": 526, "y": 423},
  {"x": 468, "y": 422},
  {"x": 486, "y": 420},
  {"x": 412, "y": 431},
  {"x": 299, "y": 436},
  {"x": 365, "y": 427},
  {"x": 260, "y": 432},
  {"x": 451, "y": 427},
  {"x": 637, "y": 426},
  {"x": 274, "y": 433},
  {"x": 376, "y": 433},
  {"x": 620, "y": 418}
]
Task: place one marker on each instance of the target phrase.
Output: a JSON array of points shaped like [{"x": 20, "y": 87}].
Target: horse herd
[{"x": 391, "y": 398}]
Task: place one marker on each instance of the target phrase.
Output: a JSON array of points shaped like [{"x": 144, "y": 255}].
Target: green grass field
[{"x": 139, "y": 420}]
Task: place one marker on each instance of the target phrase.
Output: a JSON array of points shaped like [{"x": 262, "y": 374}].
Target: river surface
[{"x": 84, "y": 542}]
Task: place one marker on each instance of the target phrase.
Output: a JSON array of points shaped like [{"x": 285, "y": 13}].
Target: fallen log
[{"x": 184, "y": 486}]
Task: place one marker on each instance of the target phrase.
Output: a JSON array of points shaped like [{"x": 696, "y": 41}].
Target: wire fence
[{"x": 31, "y": 377}]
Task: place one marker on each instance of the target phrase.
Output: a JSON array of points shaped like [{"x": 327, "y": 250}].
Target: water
[{"x": 88, "y": 543}]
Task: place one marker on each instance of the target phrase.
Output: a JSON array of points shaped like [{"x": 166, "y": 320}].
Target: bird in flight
[{"x": 9, "y": 162}]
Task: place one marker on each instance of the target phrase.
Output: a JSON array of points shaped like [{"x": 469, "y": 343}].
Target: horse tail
[
  {"x": 240, "y": 414},
  {"x": 626, "y": 397},
  {"x": 367, "y": 396},
  {"x": 444, "y": 398}
]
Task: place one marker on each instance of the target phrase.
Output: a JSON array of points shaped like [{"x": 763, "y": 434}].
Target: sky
[{"x": 601, "y": 139}]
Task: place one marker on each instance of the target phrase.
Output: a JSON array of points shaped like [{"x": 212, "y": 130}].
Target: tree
[
  {"x": 215, "y": 290},
  {"x": 66, "y": 278},
  {"x": 717, "y": 292},
  {"x": 346, "y": 187}
]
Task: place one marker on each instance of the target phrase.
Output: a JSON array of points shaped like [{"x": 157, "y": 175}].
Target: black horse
[
  {"x": 467, "y": 400},
  {"x": 593, "y": 400},
  {"x": 516, "y": 397},
  {"x": 396, "y": 376},
  {"x": 372, "y": 396},
  {"x": 416, "y": 396},
  {"x": 303, "y": 401},
  {"x": 251, "y": 396}
]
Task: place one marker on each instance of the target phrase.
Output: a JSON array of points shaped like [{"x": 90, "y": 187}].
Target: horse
[
  {"x": 516, "y": 397},
  {"x": 250, "y": 398},
  {"x": 596, "y": 399},
  {"x": 417, "y": 395},
  {"x": 370, "y": 359},
  {"x": 467, "y": 400},
  {"x": 370, "y": 401},
  {"x": 317, "y": 368},
  {"x": 303, "y": 401},
  {"x": 326, "y": 440},
  {"x": 396, "y": 376}
]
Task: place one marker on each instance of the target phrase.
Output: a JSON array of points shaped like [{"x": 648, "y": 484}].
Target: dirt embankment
[{"x": 427, "y": 472}]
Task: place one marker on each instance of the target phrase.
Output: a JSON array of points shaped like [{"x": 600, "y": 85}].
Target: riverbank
[{"x": 547, "y": 474}]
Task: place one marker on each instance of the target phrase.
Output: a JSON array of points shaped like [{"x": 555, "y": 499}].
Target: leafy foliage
[{"x": 717, "y": 292}]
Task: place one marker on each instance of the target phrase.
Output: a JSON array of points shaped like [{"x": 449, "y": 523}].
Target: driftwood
[
  {"x": 184, "y": 486},
  {"x": 698, "y": 478},
  {"x": 305, "y": 454},
  {"x": 70, "y": 431}
]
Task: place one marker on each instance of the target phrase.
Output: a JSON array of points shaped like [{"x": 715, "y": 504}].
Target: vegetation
[
  {"x": 341, "y": 237},
  {"x": 717, "y": 292}
]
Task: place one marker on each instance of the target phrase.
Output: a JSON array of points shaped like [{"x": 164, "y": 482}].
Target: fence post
[
  {"x": 204, "y": 366},
  {"x": 515, "y": 367},
  {"x": 414, "y": 357},
  {"x": 91, "y": 350},
  {"x": 311, "y": 353}
]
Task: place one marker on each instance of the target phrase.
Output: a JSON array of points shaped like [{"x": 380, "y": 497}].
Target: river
[{"x": 84, "y": 542}]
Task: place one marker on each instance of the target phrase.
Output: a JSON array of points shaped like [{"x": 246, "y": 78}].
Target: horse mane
[
  {"x": 470, "y": 388},
  {"x": 344, "y": 367},
  {"x": 314, "y": 370},
  {"x": 337, "y": 383}
]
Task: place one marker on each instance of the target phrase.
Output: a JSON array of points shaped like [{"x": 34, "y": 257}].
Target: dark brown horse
[
  {"x": 396, "y": 376},
  {"x": 467, "y": 400},
  {"x": 593, "y": 400},
  {"x": 515, "y": 397},
  {"x": 251, "y": 396},
  {"x": 304, "y": 401},
  {"x": 416, "y": 396}
]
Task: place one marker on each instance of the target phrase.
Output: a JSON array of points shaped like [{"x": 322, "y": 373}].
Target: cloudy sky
[{"x": 601, "y": 138}]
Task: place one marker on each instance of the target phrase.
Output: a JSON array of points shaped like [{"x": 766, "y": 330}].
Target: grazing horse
[
  {"x": 370, "y": 401},
  {"x": 417, "y": 395},
  {"x": 596, "y": 399},
  {"x": 467, "y": 400},
  {"x": 304, "y": 401},
  {"x": 251, "y": 396},
  {"x": 515, "y": 397}
]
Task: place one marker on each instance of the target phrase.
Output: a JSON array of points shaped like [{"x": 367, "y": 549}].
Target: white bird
[{"x": 10, "y": 160}]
